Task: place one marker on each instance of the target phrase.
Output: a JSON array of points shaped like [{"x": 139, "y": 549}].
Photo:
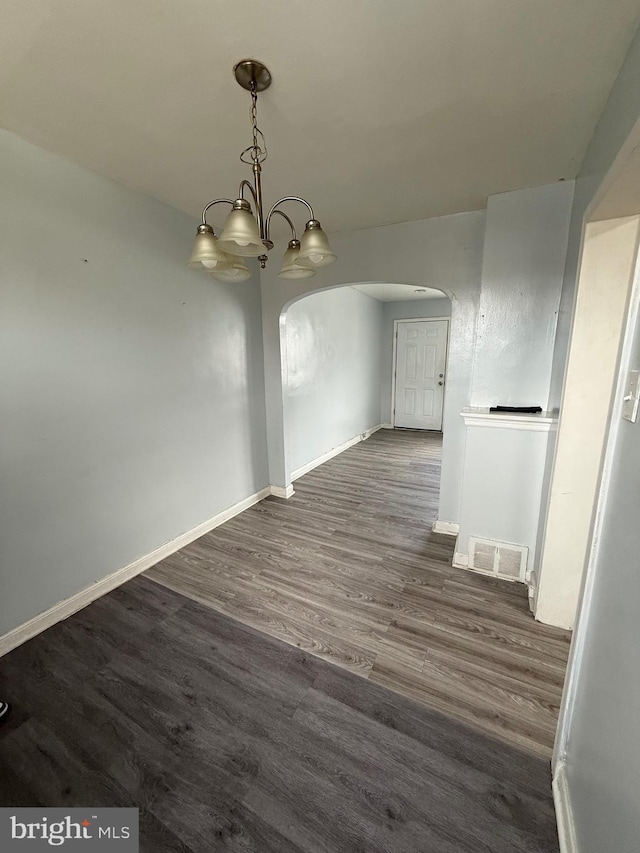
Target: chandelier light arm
[
  {"x": 256, "y": 193},
  {"x": 294, "y": 236},
  {"x": 281, "y": 201},
  {"x": 248, "y": 184},
  {"x": 211, "y": 203}
]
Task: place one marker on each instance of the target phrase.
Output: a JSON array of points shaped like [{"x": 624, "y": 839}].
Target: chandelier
[{"x": 246, "y": 234}]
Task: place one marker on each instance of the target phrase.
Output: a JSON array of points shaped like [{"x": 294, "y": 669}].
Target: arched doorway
[{"x": 338, "y": 357}]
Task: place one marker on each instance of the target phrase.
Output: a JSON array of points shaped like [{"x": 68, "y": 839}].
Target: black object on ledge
[{"x": 528, "y": 410}]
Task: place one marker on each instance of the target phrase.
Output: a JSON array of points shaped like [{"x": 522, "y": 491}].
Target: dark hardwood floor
[
  {"x": 228, "y": 739},
  {"x": 349, "y": 570}
]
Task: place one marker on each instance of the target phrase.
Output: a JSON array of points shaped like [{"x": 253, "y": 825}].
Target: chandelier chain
[{"x": 257, "y": 152}]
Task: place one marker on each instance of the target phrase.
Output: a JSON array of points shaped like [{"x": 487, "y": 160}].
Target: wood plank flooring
[
  {"x": 349, "y": 570},
  {"x": 230, "y": 740}
]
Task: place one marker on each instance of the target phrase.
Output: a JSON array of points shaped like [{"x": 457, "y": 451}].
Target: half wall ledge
[
  {"x": 504, "y": 479},
  {"x": 482, "y": 417}
]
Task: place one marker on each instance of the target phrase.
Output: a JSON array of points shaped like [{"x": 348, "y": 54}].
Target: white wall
[
  {"x": 332, "y": 371},
  {"x": 444, "y": 253},
  {"x": 607, "y": 267},
  {"x": 597, "y": 747},
  {"x": 132, "y": 388},
  {"x": 522, "y": 272},
  {"x": 569, "y": 498},
  {"x": 408, "y": 310},
  {"x": 601, "y": 746}
]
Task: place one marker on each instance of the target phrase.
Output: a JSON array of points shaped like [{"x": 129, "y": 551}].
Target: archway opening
[{"x": 359, "y": 358}]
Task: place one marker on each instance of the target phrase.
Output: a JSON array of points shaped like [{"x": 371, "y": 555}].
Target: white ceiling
[
  {"x": 379, "y": 112},
  {"x": 398, "y": 292}
]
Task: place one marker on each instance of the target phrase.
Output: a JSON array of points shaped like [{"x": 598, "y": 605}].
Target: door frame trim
[{"x": 395, "y": 365}]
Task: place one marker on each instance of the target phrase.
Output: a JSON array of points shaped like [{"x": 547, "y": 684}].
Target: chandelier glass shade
[
  {"x": 206, "y": 252},
  {"x": 236, "y": 271},
  {"x": 314, "y": 246},
  {"x": 291, "y": 266},
  {"x": 241, "y": 235},
  {"x": 247, "y": 231}
]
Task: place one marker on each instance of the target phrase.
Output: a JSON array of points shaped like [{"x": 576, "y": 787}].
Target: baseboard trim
[
  {"x": 387, "y": 426},
  {"x": 69, "y": 606},
  {"x": 335, "y": 451},
  {"x": 285, "y": 492},
  {"x": 461, "y": 561},
  {"x": 448, "y": 528},
  {"x": 564, "y": 814}
]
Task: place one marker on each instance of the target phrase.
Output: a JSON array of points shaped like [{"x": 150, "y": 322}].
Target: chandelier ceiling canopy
[{"x": 246, "y": 232}]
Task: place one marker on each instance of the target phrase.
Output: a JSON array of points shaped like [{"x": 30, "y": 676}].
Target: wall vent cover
[{"x": 498, "y": 558}]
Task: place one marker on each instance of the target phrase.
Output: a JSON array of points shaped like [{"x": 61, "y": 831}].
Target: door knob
[{"x": 441, "y": 382}]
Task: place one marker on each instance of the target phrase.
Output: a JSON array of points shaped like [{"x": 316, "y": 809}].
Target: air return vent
[{"x": 498, "y": 558}]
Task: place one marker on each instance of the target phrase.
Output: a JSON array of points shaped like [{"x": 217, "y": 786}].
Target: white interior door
[{"x": 421, "y": 357}]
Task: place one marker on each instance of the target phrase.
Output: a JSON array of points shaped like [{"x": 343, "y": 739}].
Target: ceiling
[
  {"x": 398, "y": 292},
  {"x": 379, "y": 111}
]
